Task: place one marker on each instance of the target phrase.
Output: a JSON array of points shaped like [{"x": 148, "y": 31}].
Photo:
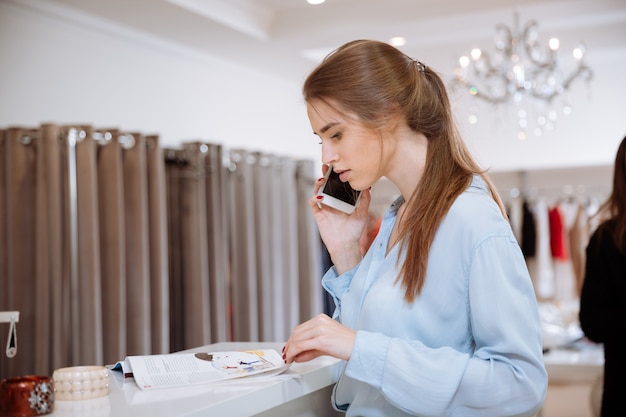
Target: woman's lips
[{"x": 344, "y": 175}]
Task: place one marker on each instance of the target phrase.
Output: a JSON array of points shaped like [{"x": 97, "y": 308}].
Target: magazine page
[{"x": 181, "y": 369}]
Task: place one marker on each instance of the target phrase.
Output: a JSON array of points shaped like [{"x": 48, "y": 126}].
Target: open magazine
[{"x": 181, "y": 369}]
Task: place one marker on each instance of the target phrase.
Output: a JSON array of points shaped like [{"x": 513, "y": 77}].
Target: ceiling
[{"x": 287, "y": 38}]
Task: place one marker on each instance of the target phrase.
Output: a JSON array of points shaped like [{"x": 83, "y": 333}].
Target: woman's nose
[{"x": 329, "y": 155}]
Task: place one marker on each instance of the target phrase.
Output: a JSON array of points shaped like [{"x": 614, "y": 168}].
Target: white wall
[
  {"x": 67, "y": 68},
  {"x": 78, "y": 71}
]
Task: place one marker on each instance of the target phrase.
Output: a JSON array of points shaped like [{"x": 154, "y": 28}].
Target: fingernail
[
  {"x": 283, "y": 349},
  {"x": 319, "y": 197},
  {"x": 320, "y": 178}
]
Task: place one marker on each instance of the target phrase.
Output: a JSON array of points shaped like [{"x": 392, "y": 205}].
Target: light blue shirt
[{"x": 469, "y": 345}]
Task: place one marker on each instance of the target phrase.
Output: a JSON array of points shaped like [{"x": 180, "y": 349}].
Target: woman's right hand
[
  {"x": 319, "y": 336},
  {"x": 340, "y": 231}
]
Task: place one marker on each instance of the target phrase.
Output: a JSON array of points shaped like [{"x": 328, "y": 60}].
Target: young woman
[
  {"x": 603, "y": 296},
  {"x": 439, "y": 318}
]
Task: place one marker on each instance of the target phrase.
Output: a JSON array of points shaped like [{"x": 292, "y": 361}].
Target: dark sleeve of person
[{"x": 595, "y": 305}]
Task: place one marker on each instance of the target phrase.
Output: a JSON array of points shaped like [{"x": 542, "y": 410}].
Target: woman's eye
[{"x": 336, "y": 136}]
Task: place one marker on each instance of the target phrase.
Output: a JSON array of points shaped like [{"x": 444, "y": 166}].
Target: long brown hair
[
  {"x": 376, "y": 81},
  {"x": 615, "y": 206}
]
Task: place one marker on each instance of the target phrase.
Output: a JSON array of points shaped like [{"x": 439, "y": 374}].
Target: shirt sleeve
[
  {"x": 595, "y": 316},
  {"x": 501, "y": 374},
  {"x": 337, "y": 286}
]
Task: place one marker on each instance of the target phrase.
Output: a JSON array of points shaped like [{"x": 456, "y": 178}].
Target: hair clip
[{"x": 420, "y": 67}]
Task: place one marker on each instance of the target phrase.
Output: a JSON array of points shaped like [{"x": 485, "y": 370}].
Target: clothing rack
[{"x": 588, "y": 182}]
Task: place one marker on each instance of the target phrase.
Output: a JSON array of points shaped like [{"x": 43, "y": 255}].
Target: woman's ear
[{"x": 394, "y": 121}]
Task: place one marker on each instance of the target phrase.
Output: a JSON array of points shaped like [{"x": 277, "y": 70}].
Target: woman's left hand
[{"x": 319, "y": 336}]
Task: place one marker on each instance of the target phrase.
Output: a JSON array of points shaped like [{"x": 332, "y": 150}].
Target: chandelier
[{"x": 522, "y": 73}]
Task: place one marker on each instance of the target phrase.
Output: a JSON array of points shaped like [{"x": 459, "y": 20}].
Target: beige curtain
[
  {"x": 86, "y": 256},
  {"x": 310, "y": 261},
  {"x": 111, "y": 246},
  {"x": 276, "y": 261},
  {"x": 198, "y": 245},
  {"x": 243, "y": 245},
  {"x": 20, "y": 286}
]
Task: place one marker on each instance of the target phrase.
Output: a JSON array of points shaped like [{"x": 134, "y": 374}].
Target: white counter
[
  {"x": 305, "y": 395},
  {"x": 303, "y": 391}
]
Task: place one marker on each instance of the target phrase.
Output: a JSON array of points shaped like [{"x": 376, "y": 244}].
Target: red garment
[{"x": 558, "y": 243}]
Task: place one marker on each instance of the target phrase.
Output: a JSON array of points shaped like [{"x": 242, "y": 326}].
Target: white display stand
[
  {"x": 307, "y": 393},
  {"x": 570, "y": 366}
]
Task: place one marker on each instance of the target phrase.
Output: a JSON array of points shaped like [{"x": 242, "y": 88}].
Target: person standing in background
[
  {"x": 603, "y": 297},
  {"x": 439, "y": 316}
]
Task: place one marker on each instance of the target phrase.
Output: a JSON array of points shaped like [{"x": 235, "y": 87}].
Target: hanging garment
[
  {"x": 579, "y": 236},
  {"x": 558, "y": 242},
  {"x": 540, "y": 266},
  {"x": 529, "y": 231}
]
